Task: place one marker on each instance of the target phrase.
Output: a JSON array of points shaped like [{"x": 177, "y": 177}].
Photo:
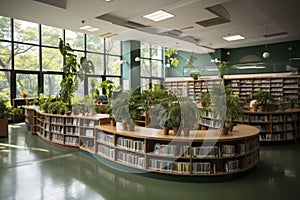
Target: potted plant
[
  {"x": 225, "y": 107},
  {"x": 24, "y": 94},
  {"x": 72, "y": 72},
  {"x": 120, "y": 108},
  {"x": 189, "y": 115},
  {"x": 6, "y": 111},
  {"x": 205, "y": 100},
  {"x": 264, "y": 99},
  {"x": 109, "y": 88},
  {"x": 222, "y": 68},
  {"x": 174, "y": 114},
  {"x": 195, "y": 76}
]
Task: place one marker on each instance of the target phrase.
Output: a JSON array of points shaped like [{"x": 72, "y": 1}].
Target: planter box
[{"x": 4, "y": 127}]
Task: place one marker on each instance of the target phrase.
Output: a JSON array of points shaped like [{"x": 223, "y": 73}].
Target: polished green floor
[{"x": 31, "y": 169}]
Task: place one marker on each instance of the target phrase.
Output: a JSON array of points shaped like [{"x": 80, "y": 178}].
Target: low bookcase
[{"x": 203, "y": 153}]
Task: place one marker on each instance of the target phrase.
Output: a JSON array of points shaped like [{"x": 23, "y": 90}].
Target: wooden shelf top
[
  {"x": 296, "y": 110},
  {"x": 239, "y": 132}
]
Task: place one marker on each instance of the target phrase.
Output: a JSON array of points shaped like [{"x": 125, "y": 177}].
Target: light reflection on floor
[{"x": 32, "y": 169}]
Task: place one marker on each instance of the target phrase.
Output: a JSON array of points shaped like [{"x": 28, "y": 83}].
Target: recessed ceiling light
[
  {"x": 233, "y": 37},
  {"x": 89, "y": 28},
  {"x": 158, "y": 15},
  {"x": 107, "y": 0}
]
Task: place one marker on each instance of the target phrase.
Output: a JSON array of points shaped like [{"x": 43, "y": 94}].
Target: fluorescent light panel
[
  {"x": 89, "y": 28},
  {"x": 233, "y": 38},
  {"x": 251, "y": 67},
  {"x": 158, "y": 15}
]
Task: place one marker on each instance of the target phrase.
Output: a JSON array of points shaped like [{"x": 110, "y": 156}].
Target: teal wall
[
  {"x": 131, "y": 69},
  {"x": 280, "y": 55}
]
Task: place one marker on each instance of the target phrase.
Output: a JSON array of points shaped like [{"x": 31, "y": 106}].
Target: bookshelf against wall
[
  {"x": 203, "y": 153},
  {"x": 275, "y": 126}
]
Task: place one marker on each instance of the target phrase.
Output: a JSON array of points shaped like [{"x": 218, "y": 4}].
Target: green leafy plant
[
  {"x": 222, "y": 68},
  {"x": 6, "y": 110},
  {"x": 72, "y": 71},
  {"x": 264, "y": 99},
  {"x": 195, "y": 76},
  {"x": 225, "y": 107},
  {"x": 171, "y": 59},
  {"x": 109, "y": 87}
]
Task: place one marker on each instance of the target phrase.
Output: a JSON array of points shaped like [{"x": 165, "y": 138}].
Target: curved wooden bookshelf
[
  {"x": 204, "y": 153},
  {"x": 275, "y": 126}
]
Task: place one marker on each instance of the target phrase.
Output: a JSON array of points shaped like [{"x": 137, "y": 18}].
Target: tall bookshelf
[
  {"x": 243, "y": 86},
  {"x": 286, "y": 128}
]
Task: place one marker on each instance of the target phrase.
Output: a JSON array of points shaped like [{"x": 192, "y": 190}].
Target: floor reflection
[{"x": 32, "y": 169}]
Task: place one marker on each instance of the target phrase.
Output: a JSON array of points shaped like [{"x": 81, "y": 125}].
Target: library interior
[{"x": 137, "y": 99}]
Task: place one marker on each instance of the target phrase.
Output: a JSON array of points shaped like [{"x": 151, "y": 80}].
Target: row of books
[
  {"x": 130, "y": 144},
  {"x": 185, "y": 167},
  {"x": 252, "y": 144},
  {"x": 57, "y": 120},
  {"x": 165, "y": 149},
  {"x": 277, "y": 127},
  {"x": 277, "y": 118},
  {"x": 89, "y": 122},
  {"x": 232, "y": 165},
  {"x": 106, "y": 151},
  {"x": 259, "y": 118},
  {"x": 74, "y": 141},
  {"x": 214, "y": 151},
  {"x": 106, "y": 138},
  {"x": 57, "y": 129},
  {"x": 86, "y": 142},
  {"x": 46, "y": 134},
  {"x": 251, "y": 159},
  {"x": 276, "y": 137},
  {"x": 72, "y": 130},
  {"x": 131, "y": 159},
  {"x": 58, "y": 138}
]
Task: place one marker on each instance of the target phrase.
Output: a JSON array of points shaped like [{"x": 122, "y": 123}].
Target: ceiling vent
[
  {"x": 174, "y": 33},
  {"x": 222, "y": 16},
  {"x": 60, "y": 4},
  {"x": 112, "y": 19},
  {"x": 275, "y": 35},
  {"x": 134, "y": 25}
]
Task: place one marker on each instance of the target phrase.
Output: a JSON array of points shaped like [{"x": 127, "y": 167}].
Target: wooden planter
[{"x": 4, "y": 127}]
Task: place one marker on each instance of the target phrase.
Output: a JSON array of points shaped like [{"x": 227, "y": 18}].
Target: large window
[
  {"x": 151, "y": 65},
  {"x": 5, "y": 55},
  {"x": 27, "y": 82},
  {"x": 26, "y": 32},
  {"x": 4, "y": 84},
  {"x": 51, "y": 35},
  {"x": 32, "y": 61},
  {"x": 26, "y": 57},
  {"x": 51, "y": 85}
]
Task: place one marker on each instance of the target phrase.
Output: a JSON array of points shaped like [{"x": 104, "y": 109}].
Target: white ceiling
[{"x": 250, "y": 18}]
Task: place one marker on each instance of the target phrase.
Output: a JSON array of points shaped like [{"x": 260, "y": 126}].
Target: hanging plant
[{"x": 171, "y": 60}]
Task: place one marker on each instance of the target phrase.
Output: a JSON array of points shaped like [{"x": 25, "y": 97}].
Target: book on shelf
[
  {"x": 203, "y": 168},
  {"x": 89, "y": 132},
  {"x": 131, "y": 144},
  {"x": 165, "y": 149},
  {"x": 105, "y": 138},
  {"x": 232, "y": 165},
  {"x": 131, "y": 159},
  {"x": 105, "y": 151},
  {"x": 74, "y": 141}
]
